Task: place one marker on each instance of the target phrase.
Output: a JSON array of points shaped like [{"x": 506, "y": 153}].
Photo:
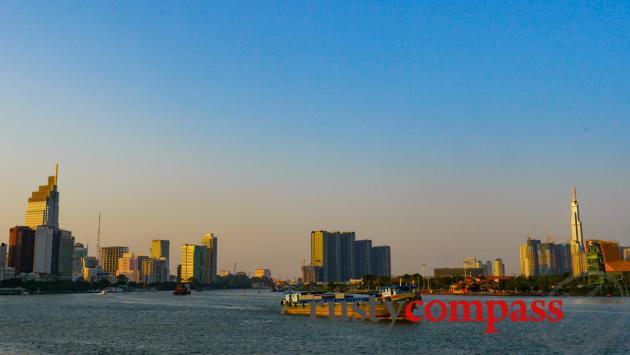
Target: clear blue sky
[{"x": 445, "y": 129}]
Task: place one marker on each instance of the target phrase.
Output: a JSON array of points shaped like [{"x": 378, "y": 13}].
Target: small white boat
[{"x": 107, "y": 290}]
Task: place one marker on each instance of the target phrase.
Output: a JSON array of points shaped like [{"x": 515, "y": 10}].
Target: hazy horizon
[{"x": 437, "y": 129}]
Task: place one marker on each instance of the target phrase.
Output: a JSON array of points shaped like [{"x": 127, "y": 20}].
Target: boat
[
  {"x": 300, "y": 303},
  {"x": 13, "y": 291},
  {"x": 107, "y": 290},
  {"x": 182, "y": 290}
]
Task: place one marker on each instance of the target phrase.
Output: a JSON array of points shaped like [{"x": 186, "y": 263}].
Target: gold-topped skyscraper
[{"x": 43, "y": 205}]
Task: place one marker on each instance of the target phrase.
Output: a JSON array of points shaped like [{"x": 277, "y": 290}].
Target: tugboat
[
  {"x": 182, "y": 290},
  {"x": 300, "y": 303}
]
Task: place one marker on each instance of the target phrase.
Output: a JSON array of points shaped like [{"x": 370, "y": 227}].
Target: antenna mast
[{"x": 98, "y": 236}]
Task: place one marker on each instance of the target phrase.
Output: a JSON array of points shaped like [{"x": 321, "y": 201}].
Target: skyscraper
[
  {"x": 576, "y": 224},
  {"x": 472, "y": 263},
  {"x": 66, "y": 253},
  {"x": 311, "y": 274},
  {"x": 53, "y": 252},
  {"x": 578, "y": 251},
  {"x": 210, "y": 241},
  {"x": 338, "y": 257},
  {"x": 80, "y": 253},
  {"x": 381, "y": 261},
  {"x": 563, "y": 258},
  {"x": 194, "y": 263},
  {"x": 21, "y": 249},
  {"x": 487, "y": 268},
  {"x": 529, "y": 258},
  {"x": 130, "y": 265},
  {"x": 547, "y": 259},
  {"x": 160, "y": 248},
  {"x": 43, "y": 205},
  {"x": 155, "y": 270},
  {"x": 3, "y": 255},
  {"x": 323, "y": 254},
  {"x": 362, "y": 257},
  {"x": 108, "y": 258},
  {"x": 46, "y": 251},
  {"x": 499, "y": 268},
  {"x": 344, "y": 255}
]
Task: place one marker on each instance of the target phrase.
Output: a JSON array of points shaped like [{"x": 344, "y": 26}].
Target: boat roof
[{"x": 395, "y": 287}]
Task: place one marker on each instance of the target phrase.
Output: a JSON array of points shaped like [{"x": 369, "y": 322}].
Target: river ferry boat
[
  {"x": 299, "y": 303},
  {"x": 182, "y": 290}
]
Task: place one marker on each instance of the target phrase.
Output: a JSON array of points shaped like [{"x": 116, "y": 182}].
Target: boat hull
[{"x": 379, "y": 308}]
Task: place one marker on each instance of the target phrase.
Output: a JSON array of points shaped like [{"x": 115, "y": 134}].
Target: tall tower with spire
[
  {"x": 576, "y": 224},
  {"x": 43, "y": 205},
  {"x": 578, "y": 253}
]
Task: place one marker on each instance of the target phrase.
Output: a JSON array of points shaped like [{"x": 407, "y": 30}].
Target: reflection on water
[{"x": 250, "y": 322}]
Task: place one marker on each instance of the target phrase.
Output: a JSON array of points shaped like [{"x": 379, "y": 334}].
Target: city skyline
[
  {"x": 442, "y": 130},
  {"x": 49, "y": 194}
]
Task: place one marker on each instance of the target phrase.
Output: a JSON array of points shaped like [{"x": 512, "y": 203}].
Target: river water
[{"x": 237, "y": 321}]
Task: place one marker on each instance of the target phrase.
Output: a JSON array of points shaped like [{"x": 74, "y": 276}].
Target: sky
[{"x": 443, "y": 129}]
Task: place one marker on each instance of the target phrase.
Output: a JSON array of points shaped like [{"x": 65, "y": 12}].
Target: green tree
[{"x": 121, "y": 280}]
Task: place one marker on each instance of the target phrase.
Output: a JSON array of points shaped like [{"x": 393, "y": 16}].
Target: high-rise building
[
  {"x": 499, "y": 268},
  {"x": 563, "y": 258},
  {"x": 160, "y": 248},
  {"x": 323, "y": 254},
  {"x": 66, "y": 253},
  {"x": 311, "y": 274},
  {"x": 21, "y": 249},
  {"x": 43, "y": 205},
  {"x": 362, "y": 258},
  {"x": 381, "y": 261},
  {"x": 344, "y": 255},
  {"x": 340, "y": 257},
  {"x": 3, "y": 255},
  {"x": 262, "y": 272},
  {"x": 194, "y": 263},
  {"x": 80, "y": 252},
  {"x": 130, "y": 265},
  {"x": 92, "y": 272},
  {"x": 625, "y": 253},
  {"x": 547, "y": 259},
  {"x": 529, "y": 258},
  {"x": 108, "y": 258},
  {"x": 487, "y": 268},
  {"x": 53, "y": 252},
  {"x": 210, "y": 241},
  {"x": 472, "y": 263},
  {"x": 578, "y": 251},
  {"x": 46, "y": 252},
  {"x": 155, "y": 270}
]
